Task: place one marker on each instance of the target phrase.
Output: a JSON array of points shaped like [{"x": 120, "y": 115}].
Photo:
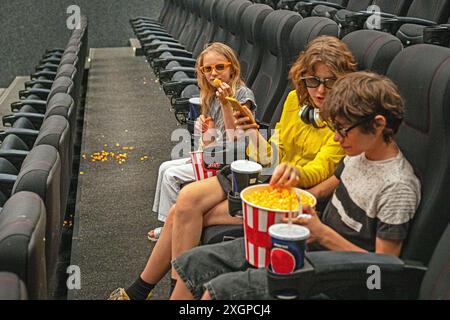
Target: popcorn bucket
[
  {"x": 198, "y": 163},
  {"x": 257, "y": 221}
]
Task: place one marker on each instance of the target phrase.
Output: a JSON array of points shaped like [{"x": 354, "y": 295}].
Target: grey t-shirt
[
  {"x": 243, "y": 95},
  {"x": 374, "y": 199}
]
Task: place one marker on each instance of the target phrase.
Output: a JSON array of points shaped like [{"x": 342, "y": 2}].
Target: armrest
[
  {"x": 50, "y": 75},
  {"x": 7, "y": 182},
  {"x": 413, "y": 20},
  {"x": 158, "y": 64},
  {"x": 53, "y": 54},
  {"x": 358, "y": 18},
  {"x": 150, "y": 39},
  {"x": 39, "y": 105},
  {"x": 155, "y": 46},
  {"x": 437, "y": 35},
  {"x": 287, "y": 4},
  {"x": 45, "y": 83},
  {"x": 328, "y": 271},
  {"x": 51, "y": 60},
  {"x": 149, "y": 36},
  {"x": 27, "y": 135},
  {"x": 41, "y": 93},
  {"x": 166, "y": 75},
  {"x": 35, "y": 118},
  {"x": 59, "y": 50},
  {"x": 174, "y": 88},
  {"x": 16, "y": 157},
  {"x": 151, "y": 54},
  {"x": 328, "y": 4},
  {"x": 47, "y": 66},
  {"x": 391, "y": 25}
]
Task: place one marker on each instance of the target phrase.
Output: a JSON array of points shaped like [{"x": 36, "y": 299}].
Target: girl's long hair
[{"x": 207, "y": 91}]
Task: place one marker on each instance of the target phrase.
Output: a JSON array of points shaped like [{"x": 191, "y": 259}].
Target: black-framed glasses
[
  {"x": 343, "y": 132},
  {"x": 314, "y": 82}
]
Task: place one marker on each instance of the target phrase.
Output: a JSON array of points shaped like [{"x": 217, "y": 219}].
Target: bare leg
[
  {"x": 206, "y": 295},
  {"x": 181, "y": 292},
  {"x": 219, "y": 215},
  {"x": 195, "y": 201},
  {"x": 158, "y": 264}
]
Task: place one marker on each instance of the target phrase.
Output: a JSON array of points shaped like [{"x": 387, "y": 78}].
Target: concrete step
[{"x": 136, "y": 46}]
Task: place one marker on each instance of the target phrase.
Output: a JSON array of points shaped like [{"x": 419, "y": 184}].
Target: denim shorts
[{"x": 222, "y": 269}]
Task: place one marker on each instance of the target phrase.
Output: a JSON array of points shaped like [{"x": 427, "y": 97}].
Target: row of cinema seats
[
  {"x": 36, "y": 160},
  {"x": 267, "y": 41},
  {"x": 410, "y": 20},
  {"x": 186, "y": 26}
]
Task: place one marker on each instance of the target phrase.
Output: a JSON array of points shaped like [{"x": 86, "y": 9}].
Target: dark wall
[{"x": 28, "y": 27}]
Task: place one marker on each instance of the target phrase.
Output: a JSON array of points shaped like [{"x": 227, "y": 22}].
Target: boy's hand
[
  {"x": 315, "y": 226},
  {"x": 285, "y": 176}
]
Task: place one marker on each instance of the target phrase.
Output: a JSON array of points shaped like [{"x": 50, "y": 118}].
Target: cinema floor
[{"x": 125, "y": 113}]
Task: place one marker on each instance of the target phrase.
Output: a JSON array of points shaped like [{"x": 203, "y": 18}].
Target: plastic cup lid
[
  {"x": 245, "y": 166},
  {"x": 195, "y": 100},
  {"x": 284, "y": 231}
]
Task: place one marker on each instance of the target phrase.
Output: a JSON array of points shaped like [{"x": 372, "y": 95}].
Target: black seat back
[
  {"x": 250, "y": 56},
  {"x": 422, "y": 73},
  {"x": 373, "y": 50},
  {"x": 208, "y": 14},
  {"x": 40, "y": 173},
  {"x": 22, "y": 241},
  {"x": 436, "y": 283},
  {"x": 436, "y": 10},
  {"x": 271, "y": 79},
  {"x": 233, "y": 24},
  {"x": 396, "y": 7},
  {"x": 55, "y": 131}
]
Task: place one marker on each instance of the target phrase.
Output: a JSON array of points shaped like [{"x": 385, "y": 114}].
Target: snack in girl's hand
[
  {"x": 217, "y": 82},
  {"x": 236, "y": 105}
]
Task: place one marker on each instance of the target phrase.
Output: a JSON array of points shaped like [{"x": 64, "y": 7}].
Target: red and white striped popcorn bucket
[
  {"x": 257, "y": 221},
  {"x": 198, "y": 163}
]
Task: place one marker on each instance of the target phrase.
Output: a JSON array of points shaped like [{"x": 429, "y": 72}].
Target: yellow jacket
[{"x": 312, "y": 150}]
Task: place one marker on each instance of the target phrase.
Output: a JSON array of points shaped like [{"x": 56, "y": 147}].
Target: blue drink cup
[{"x": 288, "y": 247}]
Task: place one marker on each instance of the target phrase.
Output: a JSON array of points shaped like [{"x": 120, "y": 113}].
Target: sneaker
[{"x": 121, "y": 294}]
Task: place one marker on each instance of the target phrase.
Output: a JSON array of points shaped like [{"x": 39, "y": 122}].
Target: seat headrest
[
  {"x": 308, "y": 29},
  {"x": 234, "y": 14},
  {"x": 67, "y": 70},
  {"x": 61, "y": 85},
  {"x": 55, "y": 132},
  {"x": 252, "y": 20},
  {"x": 38, "y": 170},
  {"x": 373, "y": 50},
  {"x": 59, "y": 104},
  {"x": 276, "y": 29}
]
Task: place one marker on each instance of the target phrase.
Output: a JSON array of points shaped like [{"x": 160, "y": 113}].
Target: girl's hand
[
  {"x": 203, "y": 123},
  {"x": 285, "y": 176},
  {"x": 316, "y": 227},
  {"x": 224, "y": 90},
  {"x": 243, "y": 121}
]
